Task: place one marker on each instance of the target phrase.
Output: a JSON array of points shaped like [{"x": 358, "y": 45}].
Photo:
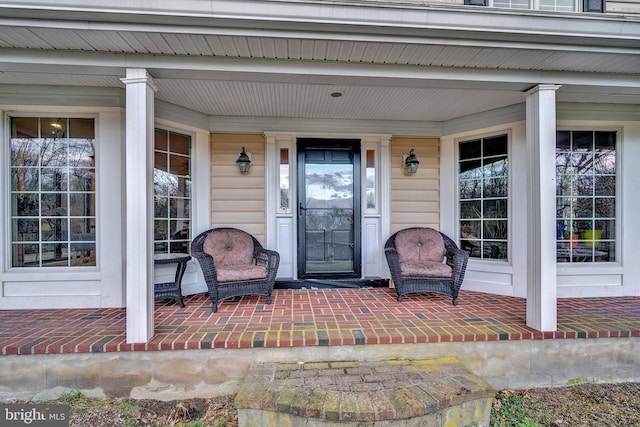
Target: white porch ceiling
[
  {"x": 428, "y": 52},
  {"x": 289, "y": 70}
]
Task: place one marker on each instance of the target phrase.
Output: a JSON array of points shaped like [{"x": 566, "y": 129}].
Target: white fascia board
[
  {"x": 486, "y": 119},
  {"x": 62, "y": 96},
  {"x": 167, "y": 111},
  {"x": 598, "y": 112},
  {"x": 346, "y": 127},
  {"x": 307, "y": 72},
  {"x": 373, "y": 20}
]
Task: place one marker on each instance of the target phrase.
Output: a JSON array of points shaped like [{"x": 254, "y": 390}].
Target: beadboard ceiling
[{"x": 266, "y": 75}]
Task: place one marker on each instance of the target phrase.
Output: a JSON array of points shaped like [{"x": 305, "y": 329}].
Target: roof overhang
[{"x": 289, "y": 52}]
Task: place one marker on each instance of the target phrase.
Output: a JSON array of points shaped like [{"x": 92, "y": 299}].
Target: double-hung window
[
  {"x": 597, "y": 6},
  {"x": 548, "y": 5},
  {"x": 483, "y": 191},
  {"x": 53, "y": 192},
  {"x": 172, "y": 192},
  {"x": 586, "y": 196}
]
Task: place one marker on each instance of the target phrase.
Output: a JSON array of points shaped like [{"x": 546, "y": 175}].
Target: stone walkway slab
[{"x": 397, "y": 392}]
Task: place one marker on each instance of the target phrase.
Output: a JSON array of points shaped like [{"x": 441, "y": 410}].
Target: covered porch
[
  {"x": 195, "y": 351},
  {"x": 401, "y": 74}
]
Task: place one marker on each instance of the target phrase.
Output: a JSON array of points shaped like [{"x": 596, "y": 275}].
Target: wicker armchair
[
  {"x": 234, "y": 263},
  {"x": 415, "y": 257}
]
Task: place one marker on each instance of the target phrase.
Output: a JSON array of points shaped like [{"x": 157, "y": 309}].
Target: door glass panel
[
  {"x": 328, "y": 212},
  {"x": 371, "y": 179},
  {"x": 284, "y": 180}
]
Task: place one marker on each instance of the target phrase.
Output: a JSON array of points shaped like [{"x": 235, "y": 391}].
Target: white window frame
[
  {"x": 191, "y": 136},
  {"x": 193, "y": 281},
  {"x": 567, "y": 268},
  {"x": 535, "y": 5},
  {"x": 458, "y": 235},
  {"x": 6, "y": 162}
]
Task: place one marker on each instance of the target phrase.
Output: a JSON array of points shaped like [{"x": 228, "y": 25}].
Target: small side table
[{"x": 171, "y": 290}]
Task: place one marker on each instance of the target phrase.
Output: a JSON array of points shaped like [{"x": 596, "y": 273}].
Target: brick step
[{"x": 397, "y": 392}]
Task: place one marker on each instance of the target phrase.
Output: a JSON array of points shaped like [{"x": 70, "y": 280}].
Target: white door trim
[{"x": 282, "y": 223}]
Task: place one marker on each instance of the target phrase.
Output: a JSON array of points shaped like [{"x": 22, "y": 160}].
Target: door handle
[{"x": 300, "y": 209}]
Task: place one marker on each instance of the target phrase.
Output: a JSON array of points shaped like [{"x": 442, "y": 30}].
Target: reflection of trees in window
[
  {"x": 53, "y": 192},
  {"x": 172, "y": 192},
  {"x": 284, "y": 180},
  {"x": 370, "y": 176},
  {"x": 586, "y": 196},
  {"x": 483, "y": 184},
  {"x": 327, "y": 185}
]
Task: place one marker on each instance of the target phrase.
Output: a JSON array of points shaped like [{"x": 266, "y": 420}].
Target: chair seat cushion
[
  {"x": 229, "y": 247},
  {"x": 425, "y": 269},
  {"x": 232, "y": 273},
  {"x": 419, "y": 244}
]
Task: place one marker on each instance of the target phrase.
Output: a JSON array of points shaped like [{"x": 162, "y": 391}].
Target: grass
[
  {"x": 512, "y": 410},
  {"x": 577, "y": 381},
  {"x": 80, "y": 404}
]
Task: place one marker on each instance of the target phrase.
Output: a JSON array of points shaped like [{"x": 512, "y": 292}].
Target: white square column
[
  {"x": 542, "y": 312},
  {"x": 139, "y": 205}
]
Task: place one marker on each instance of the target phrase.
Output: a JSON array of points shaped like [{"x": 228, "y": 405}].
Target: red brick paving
[{"x": 315, "y": 318}]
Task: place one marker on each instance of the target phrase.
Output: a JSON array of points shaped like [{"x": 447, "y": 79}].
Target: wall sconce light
[
  {"x": 410, "y": 162},
  {"x": 244, "y": 161}
]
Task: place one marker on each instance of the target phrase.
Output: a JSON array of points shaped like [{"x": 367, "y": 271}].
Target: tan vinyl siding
[
  {"x": 624, "y": 6},
  {"x": 238, "y": 200},
  {"x": 415, "y": 199}
]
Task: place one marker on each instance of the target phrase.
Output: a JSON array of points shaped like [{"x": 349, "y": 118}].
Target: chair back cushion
[
  {"x": 421, "y": 253},
  {"x": 420, "y": 244},
  {"x": 229, "y": 247}
]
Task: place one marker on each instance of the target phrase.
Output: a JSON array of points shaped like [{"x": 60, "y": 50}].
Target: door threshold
[{"x": 332, "y": 283}]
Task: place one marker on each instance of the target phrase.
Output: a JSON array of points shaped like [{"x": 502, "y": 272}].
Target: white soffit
[
  {"x": 422, "y": 52},
  {"x": 391, "y": 61}
]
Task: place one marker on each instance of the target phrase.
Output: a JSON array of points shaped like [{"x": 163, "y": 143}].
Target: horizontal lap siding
[
  {"x": 238, "y": 200},
  {"x": 415, "y": 199}
]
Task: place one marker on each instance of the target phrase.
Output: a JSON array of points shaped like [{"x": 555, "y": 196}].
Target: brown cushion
[
  {"x": 422, "y": 244},
  {"x": 229, "y": 247},
  {"x": 241, "y": 272},
  {"x": 425, "y": 268}
]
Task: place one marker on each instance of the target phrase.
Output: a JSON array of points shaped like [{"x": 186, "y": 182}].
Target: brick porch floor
[{"x": 323, "y": 317}]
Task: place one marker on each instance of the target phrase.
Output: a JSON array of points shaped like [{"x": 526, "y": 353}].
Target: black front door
[{"x": 328, "y": 208}]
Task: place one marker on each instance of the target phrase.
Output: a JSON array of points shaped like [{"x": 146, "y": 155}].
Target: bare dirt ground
[
  {"x": 589, "y": 404},
  {"x": 581, "y": 405},
  {"x": 214, "y": 412}
]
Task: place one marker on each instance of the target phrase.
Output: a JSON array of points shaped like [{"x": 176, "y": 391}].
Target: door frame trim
[{"x": 281, "y": 227}]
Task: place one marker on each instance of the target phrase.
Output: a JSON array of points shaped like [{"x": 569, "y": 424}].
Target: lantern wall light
[
  {"x": 410, "y": 162},
  {"x": 244, "y": 161}
]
